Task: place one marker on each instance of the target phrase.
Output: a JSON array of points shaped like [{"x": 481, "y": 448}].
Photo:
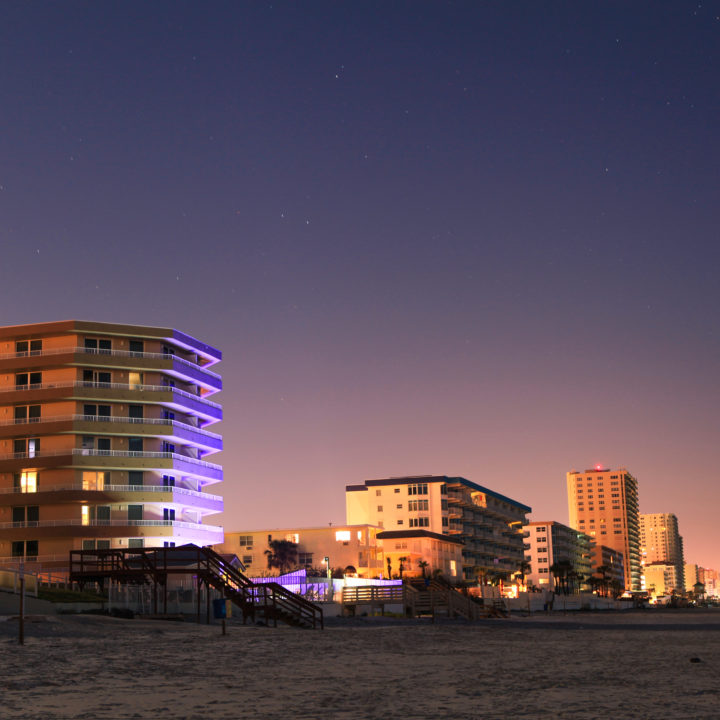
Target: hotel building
[
  {"x": 603, "y": 503},
  {"x": 660, "y": 542},
  {"x": 103, "y": 439},
  {"x": 488, "y": 524},
  {"x": 552, "y": 542},
  {"x": 661, "y": 579},
  {"x": 607, "y": 557}
]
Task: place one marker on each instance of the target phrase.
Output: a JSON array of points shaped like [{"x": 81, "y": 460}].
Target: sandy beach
[{"x": 633, "y": 665}]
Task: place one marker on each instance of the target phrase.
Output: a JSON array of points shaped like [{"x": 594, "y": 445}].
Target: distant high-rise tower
[
  {"x": 604, "y": 504},
  {"x": 660, "y": 542},
  {"x": 103, "y": 440}
]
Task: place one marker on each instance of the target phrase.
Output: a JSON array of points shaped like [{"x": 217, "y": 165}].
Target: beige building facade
[
  {"x": 346, "y": 546},
  {"x": 489, "y": 525},
  {"x": 104, "y": 435},
  {"x": 603, "y": 503},
  {"x": 660, "y": 542},
  {"x": 552, "y": 542},
  {"x": 661, "y": 579}
]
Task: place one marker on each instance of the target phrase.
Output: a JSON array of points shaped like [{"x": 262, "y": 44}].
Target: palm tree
[
  {"x": 560, "y": 570},
  {"x": 281, "y": 554},
  {"x": 423, "y": 565},
  {"x": 389, "y": 567},
  {"x": 606, "y": 573},
  {"x": 523, "y": 570}
]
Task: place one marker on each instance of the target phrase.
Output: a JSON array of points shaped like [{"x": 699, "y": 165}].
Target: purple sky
[{"x": 473, "y": 238}]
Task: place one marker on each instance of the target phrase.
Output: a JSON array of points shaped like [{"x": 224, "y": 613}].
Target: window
[
  {"x": 305, "y": 559},
  {"x": 417, "y": 505},
  {"x": 135, "y": 412},
  {"x": 443, "y": 504},
  {"x": 397, "y": 490},
  {"x": 135, "y": 380},
  {"x": 135, "y": 512},
  {"x": 168, "y": 480},
  {"x": 92, "y": 378},
  {"x": 29, "y": 447},
  {"x": 136, "y": 477},
  {"x": 96, "y": 345},
  {"x": 26, "y": 481},
  {"x": 294, "y": 538},
  {"x": 27, "y": 414},
  {"x": 245, "y": 540},
  {"x": 96, "y": 411},
  {"x": 25, "y": 380},
  {"x": 445, "y": 522},
  {"x": 135, "y": 444},
  {"x": 542, "y": 549},
  {"x": 102, "y": 514},
  {"x": 92, "y": 480},
  {"x": 28, "y": 347},
  {"x": 420, "y": 522},
  {"x": 399, "y": 506},
  {"x": 169, "y": 514},
  {"x": 420, "y": 489},
  {"x": 402, "y": 522},
  {"x": 379, "y": 508},
  {"x": 378, "y": 493},
  {"x": 542, "y": 560},
  {"x": 136, "y": 543},
  {"x": 136, "y": 346},
  {"x": 342, "y": 535}
]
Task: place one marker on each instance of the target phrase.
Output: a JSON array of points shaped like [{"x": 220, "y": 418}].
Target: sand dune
[{"x": 634, "y": 665}]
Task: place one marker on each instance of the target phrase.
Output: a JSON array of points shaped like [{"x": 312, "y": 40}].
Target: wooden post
[
  {"x": 199, "y": 582},
  {"x": 21, "y": 623},
  {"x": 207, "y": 603}
]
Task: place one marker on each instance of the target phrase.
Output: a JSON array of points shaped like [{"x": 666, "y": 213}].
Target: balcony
[
  {"x": 166, "y": 395},
  {"x": 77, "y": 492},
  {"x": 170, "y": 430},
  {"x": 39, "y": 529},
  {"x": 173, "y": 365},
  {"x": 114, "y": 460}
]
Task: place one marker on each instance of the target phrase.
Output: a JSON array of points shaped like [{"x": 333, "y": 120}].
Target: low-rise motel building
[
  {"x": 346, "y": 546},
  {"x": 489, "y": 525},
  {"x": 552, "y": 542},
  {"x": 610, "y": 559},
  {"x": 104, "y": 435}
]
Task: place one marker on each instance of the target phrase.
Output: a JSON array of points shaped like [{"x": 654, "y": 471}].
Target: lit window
[
  {"x": 85, "y": 514},
  {"x": 342, "y": 535},
  {"x": 294, "y": 538},
  {"x": 26, "y": 481}
]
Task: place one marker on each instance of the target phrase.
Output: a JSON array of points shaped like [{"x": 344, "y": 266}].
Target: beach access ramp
[{"x": 268, "y": 602}]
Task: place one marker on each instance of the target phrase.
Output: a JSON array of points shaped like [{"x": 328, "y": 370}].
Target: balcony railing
[
  {"x": 114, "y": 488},
  {"x": 110, "y": 386},
  {"x": 109, "y": 523},
  {"x": 111, "y": 353},
  {"x": 111, "y": 419},
  {"x": 110, "y": 453}
]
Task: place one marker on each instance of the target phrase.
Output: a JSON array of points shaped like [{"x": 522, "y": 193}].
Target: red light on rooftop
[{"x": 598, "y": 467}]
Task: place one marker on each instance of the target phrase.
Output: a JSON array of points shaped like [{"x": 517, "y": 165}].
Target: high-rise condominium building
[
  {"x": 660, "y": 542},
  {"x": 103, "y": 439},
  {"x": 490, "y": 525},
  {"x": 603, "y": 503}
]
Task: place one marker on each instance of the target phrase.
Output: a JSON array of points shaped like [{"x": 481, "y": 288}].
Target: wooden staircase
[{"x": 269, "y": 602}]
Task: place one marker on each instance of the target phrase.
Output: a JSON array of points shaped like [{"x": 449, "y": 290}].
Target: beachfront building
[
  {"x": 551, "y": 543},
  {"x": 661, "y": 579},
  {"x": 603, "y": 503},
  {"x": 608, "y": 562},
  {"x": 346, "y": 546},
  {"x": 104, "y": 438},
  {"x": 660, "y": 542},
  {"x": 421, "y": 553},
  {"x": 490, "y": 525}
]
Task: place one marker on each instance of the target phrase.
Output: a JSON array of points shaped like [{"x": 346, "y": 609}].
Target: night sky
[{"x": 477, "y": 239}]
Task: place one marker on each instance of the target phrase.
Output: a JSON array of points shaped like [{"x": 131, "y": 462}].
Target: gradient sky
[{"x": 464, "y": 238}]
